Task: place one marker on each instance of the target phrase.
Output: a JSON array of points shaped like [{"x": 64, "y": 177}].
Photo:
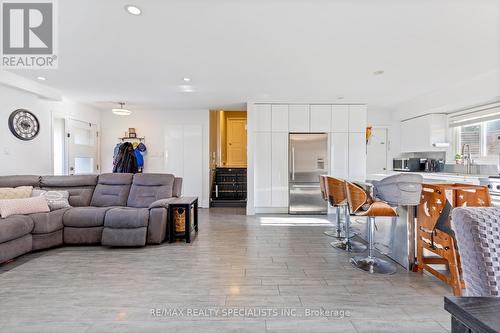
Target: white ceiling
[{"x": 270, "y": 50}]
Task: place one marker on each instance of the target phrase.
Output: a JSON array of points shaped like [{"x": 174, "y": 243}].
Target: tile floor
[{"x": 237, "y": 263}]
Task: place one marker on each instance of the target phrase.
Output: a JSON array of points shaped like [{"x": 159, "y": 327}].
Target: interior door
[
  {"x": 82, "y": 147},
  {"x": 377, "y": 152},
  {"x": 236, "y": 142}
]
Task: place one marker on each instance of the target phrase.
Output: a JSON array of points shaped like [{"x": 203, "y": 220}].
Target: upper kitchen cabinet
[
  {"x": 340, "y": 118},
  {"x": 298, "y": 118},
  {"x": 357, "y": 118},
  {"x": 421, "y": 134},
  {"x": 279, "y": 118},
  {"x": 321, "y": 118},
  {"x": 262, "y": 117}
]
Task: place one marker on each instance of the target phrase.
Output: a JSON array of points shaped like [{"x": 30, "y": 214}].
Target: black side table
[
  {"x": 473, "y": 314},
  {"x": 185, "y": 203}
]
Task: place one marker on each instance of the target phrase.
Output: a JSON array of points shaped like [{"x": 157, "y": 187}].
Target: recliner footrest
[{"x": 124, "y": 237}]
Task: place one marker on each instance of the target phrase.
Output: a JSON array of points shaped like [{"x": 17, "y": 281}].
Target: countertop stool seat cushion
[{"x": 125, "y": 226}]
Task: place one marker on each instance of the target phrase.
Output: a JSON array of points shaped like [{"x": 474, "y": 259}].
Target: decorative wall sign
[{"x": 24, "y": 124}]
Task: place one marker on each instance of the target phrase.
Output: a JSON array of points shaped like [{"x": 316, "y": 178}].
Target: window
[
  {"x": 471, "y": 135},
  {"x": 493, "y": 137},
  {"x": 483, "y": 139}
]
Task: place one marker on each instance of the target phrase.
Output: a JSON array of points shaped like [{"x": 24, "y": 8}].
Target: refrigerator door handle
[{"x": 293, "y": 163}]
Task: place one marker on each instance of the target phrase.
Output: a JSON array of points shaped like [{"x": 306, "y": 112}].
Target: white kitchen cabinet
[
  {"x": 421, "y": 133},
  {"x": 298, "y": 118},
  {"x": 321, "y": 118},
  {"x": 279, "y": 174},
  {"x": 262, "y": 117},
  {"x": 262, "y": 169},
  {"x": 279, "y": 118},
  {"x": 340, "y": 118},
  {"x": 357, "y": 156},
  {"x": 357, "y": 118},
  {"x": 339, "y": 155}
]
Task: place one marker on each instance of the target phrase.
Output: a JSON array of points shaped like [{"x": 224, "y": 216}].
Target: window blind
[{"x": 476, "y": 115}]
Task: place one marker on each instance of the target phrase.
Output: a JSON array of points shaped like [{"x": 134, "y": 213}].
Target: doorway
[
  {"x": 228, "y": 158},
  {"x": 74, "y": 146},
  {"x": 236, "y": 142},
  {"x": 377, "y": 151}
]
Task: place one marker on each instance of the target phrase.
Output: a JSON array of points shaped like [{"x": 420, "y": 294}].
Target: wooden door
[{"x": 236, "y": 142}]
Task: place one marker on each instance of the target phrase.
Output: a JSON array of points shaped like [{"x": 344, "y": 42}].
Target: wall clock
[{"x": 24, "y": 124}]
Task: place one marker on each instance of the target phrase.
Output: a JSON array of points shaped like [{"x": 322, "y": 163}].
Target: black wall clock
[{"x": 24, "y": 124}]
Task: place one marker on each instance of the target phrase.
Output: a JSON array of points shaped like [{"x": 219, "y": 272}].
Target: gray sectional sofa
[{"x": 109, "y": 209}]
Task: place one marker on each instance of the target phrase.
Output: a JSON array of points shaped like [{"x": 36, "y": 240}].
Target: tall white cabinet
[{"x": 269, "y": 127}]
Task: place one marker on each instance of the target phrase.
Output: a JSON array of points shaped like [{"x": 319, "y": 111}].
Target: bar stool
[
  {"x": 361, "y": 205},
  {"x": 335, "y": 188},
  {"x": 337, "y": 231}
]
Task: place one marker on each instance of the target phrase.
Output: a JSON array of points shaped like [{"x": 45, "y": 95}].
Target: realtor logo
[{"x": 28, "y": 34}]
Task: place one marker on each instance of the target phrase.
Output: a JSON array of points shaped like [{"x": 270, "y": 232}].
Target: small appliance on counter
[{"x": 406, "y": 164}]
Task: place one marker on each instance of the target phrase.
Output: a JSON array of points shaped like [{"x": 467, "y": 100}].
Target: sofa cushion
[
  {"x": 112, "y": 190},
  {"x": 124, "y": 237},
  {"x": 80, "y": 188},
  {"x": 15, "y": 181},
  {"x": 55, "y": 199},
  {"x": 84, "y": 217},
  {"x": 78, "y": 196},
  {"x": 15, "y": 192},
  {"x": 68, "y": 181},
  {"x": 10, "y": 207},
  {"x": 147, "y": 188},
  {"x": 127, "y": 217},
  {"x": 14, "y": 227},
  {"x": 91, "y": 235},
  {"x": 16, "y": 247},
  {"x": 45, "y": 223}
]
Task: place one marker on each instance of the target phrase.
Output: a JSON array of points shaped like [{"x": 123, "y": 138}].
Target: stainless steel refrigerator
[{"x": 308, "y": 158}]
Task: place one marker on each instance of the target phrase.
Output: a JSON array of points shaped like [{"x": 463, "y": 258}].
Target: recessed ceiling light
[
  {"x": 134, "y": 10},
  {"x": 379, "y": 72},
  {"x": 187, "y": 79},
  {"x": 41, "y": 78}
]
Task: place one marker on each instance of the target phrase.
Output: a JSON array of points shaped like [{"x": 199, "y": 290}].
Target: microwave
[
  {"x": 406, "y": 164},
  {"x": 400, "y": 164}
]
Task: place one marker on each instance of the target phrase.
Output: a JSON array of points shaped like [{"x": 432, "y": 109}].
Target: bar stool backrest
[
  {"x": 335, "y": 188},
  {"x": 356, "y": 196},
  {"x": 322, "y": 186}
]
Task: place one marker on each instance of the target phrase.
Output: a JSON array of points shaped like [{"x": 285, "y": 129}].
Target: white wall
[
  {"x": 177, "y": 142},
  {"x": 35, "y": 156}
]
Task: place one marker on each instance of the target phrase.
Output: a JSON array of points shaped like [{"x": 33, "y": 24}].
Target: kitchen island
[{"x": 397, "y": 238}]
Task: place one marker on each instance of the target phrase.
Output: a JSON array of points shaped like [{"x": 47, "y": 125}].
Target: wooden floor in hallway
[{"x": 240, "y": 274}]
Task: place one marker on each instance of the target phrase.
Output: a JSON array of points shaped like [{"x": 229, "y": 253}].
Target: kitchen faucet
[{"x": 466, "y": 158}]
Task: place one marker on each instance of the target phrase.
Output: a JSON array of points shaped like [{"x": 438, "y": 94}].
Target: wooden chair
[
  {"x": 322, "y": 187},
  {"x": 435, "y": 211},
  {"x": 337, "y": 231},
  {"x": 361, "y": 205},
  {"x": 335, "y": 188}
]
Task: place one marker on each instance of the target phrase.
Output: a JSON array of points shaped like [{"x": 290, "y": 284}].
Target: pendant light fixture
[{"x": 121, "y": 111}]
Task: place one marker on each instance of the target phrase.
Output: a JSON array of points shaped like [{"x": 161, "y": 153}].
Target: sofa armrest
[{"x": 162, "y": 203}]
